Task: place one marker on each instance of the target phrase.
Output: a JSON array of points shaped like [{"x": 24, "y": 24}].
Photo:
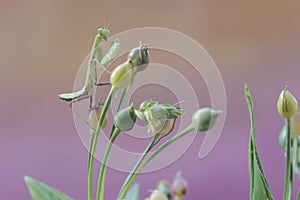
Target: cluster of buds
[
  {"x": 160, "y": 118},
  {"x": 164, "y": 191}
]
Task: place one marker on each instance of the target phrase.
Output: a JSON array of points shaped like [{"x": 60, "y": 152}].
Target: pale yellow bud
[
  {"x": 287, "y": 105},
  {"x": 158, "y": 195}
]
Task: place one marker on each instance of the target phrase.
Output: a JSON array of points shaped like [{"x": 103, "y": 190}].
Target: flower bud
[
  {"x": 165, "y": 127},
  {"x": 122, "y": 75},
  {"x": 139, "y": 58},
  {"x": 205, "y": 118},
  {"x": 287, "y": 105},
  {"x": 163, "y": 186},
  {"x": 179, "y": 186},
  {"x": 295, "y": 125},
  {"x": 125, "y": 118},
  {"x": 282, "y": 137},
  {"x": 94, "y": 116},
  {"x": 158, "y": 195}
]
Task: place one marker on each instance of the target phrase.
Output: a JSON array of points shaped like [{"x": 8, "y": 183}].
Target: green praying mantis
[
  {"x": 138, "y": 58},
  {"x": 87, "y": 90}
]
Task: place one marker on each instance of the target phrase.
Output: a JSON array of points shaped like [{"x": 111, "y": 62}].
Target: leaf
[
  {"x": 40, "y": 191},
  {"x": 259, "y": 188},
  {"x": 133, "y": 193}
]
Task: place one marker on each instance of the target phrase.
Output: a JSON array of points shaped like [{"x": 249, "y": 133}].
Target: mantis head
[{"x": 104, "y": 32}]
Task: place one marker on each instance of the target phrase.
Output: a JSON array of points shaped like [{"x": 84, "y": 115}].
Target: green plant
[
  {"x": 160, "y": 119},
  {"x": 287, "y": 107}
]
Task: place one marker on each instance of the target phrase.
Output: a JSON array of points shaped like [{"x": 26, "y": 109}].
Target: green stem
[
  {"x": 135, "y": 168},
  {"x": 155, "y": 153},
  {"x": 102, "y": 174},
  {"x": 90, "y": 170},
  {"x": 94, "y": 141},
  {"x": 298, "y": 196},
  {"x": 288, "y": 169}
]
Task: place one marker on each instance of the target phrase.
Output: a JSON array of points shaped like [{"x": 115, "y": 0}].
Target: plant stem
[
  {"x": 94, "y": 140},
  {"x": 288, "y": 166},
  {"x": 155, "y": 153},
  {"x": 102, "y": 174},
  {"x": 135, "y": 168},
  {"x": 90, "y": 170}
]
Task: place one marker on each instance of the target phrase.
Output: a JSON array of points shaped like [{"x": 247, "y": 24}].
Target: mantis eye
[{"x": 103, "y": 32}]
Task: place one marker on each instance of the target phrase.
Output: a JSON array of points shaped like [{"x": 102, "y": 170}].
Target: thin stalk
[
  {"x": 288, "y": 168},
  {"x": 135, "y": 168},
  {"x": 102, "y": 174},
  {"x": 94, "y": 140},
  {"x": 90, "y": 170},
  {"x": 155, "y": 153}
]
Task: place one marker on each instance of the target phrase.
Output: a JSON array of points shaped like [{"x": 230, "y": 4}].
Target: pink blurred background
[{"x": 43, "y": 43}]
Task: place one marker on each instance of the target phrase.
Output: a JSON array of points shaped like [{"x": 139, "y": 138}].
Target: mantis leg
[
  {"x": 96, "y": 78},
  {"x": 79, "y": 99}
]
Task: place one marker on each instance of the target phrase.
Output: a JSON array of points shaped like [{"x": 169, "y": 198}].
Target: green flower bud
[
  {"x": 295, "y": 125},
  {"x": 165, "y": 127},
  {"x": 205, "y": 118},
  {"x": 287, "y": 105},
  {"x": 179, "y": 186},
  {"x": 139, "y": 58},
  {"x": 158, "y": 195},
  {"x": 282, "y": 137},
  {"x": 163, "y": 186},
  {"x": 94, "y": 116},
  {"x": 125, "y": 118},
  {"x": 122, "y": 75}
]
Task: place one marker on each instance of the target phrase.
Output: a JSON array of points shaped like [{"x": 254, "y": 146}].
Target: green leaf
[
  {"x": 133, "y": 193},
  {"x": 40, "y": 191},
  {"x": 259, "y": 188}
]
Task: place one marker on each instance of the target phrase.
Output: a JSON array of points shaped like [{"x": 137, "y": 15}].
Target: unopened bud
[
  {"x": 163, "y": 186},
  {"x": 205, "y": 118},
  {"x": 94, "y": 116},
  {"x": 287, "y": 105},
  {"x": 282, "y": 137},
  {"x": 179, "y": 186},
  {"x": 165, "y": 127},
  {"x": 158, "y": 195},
  {"x": 122, "y": 75},
  {"x": 295, "y": 125},
  {"x": 125, "y": 118}
]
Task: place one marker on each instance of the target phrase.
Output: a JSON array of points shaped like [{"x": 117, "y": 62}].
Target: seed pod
[
  {"x": 179, "y": 186},
  {"x": 163, "y": 186},
  {"x": 94, "y": 116},
  {"x": 158, "y": 195},
  {"x": 125, "y": 118},
  {"x": 165, "y": 127},
  {"x": 122, "y": 75},
  {"x": 205, "y": 118},
  {"x": 139, "y": 58},
  {"x": 287, "y": 105},
  {"x": 295, "y": 125}
]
